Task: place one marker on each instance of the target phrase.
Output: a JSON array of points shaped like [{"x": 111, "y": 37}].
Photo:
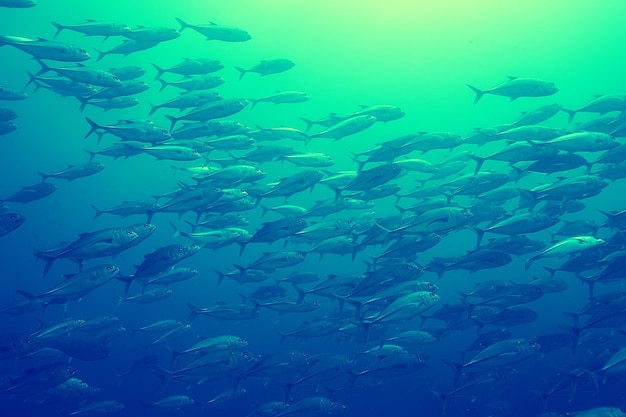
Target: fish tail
[
  {"x": 242, "y": 247},
  {"x": 301, "y": 293},
  {"x": 27, "y": 295},
  {"x": 194, "y": 311},
  {"x": 159, "y": 70},
  {"x": 83, "y": 102},
  {"x": 182, "y": 23},
  {"x": 163, "y": 84},
  {"x": 49, "y": 260},
  {"x": 479, "y": 93},
  {"x": 96, "y": 209},
  {"x": 282, "y": 335},
  {"x": 570, "y": 115},
  {"x": 59, "y": 27},
  {"x": 309, "y": 123},
  {"x": 254, "y": 102},
  {"x": 153, "y": 108},
  {"x": 551, "y": 271},
  {"x": 220, "y": 276},
  {"x": 32, "y": 79},
  {"x": 479, "y": 162},
  {"x": 176, "y": 231},
  {"x": 589, "y": 281},
  {"x": 173, "y": 120},
  {"x": 242, "y": 72},
  {"x": 101, "y": 54},
  {"x": 438, "y": 267},
  {"x": 479, "y": 236},
  {"x": 164, "y": 375},
  {"x": 93, "y": 127}
]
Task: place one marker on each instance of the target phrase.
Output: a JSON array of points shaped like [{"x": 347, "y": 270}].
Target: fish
[
  {"x": 83, "y": 74},
  {"x": 105, "y": 242},
  {"x": 188, "y": 67},
  {"x": 94, "y": 28},
  {"x": 31, "y": 193},
  {"x": 73, "y": 172},
  {"x": 213, "y": 31},
  {"x": 18, "y": 4},
  {"x": 268, "y": 67},
  {"x": 44, "y": 49},
  {"x": 503, "y": 353},
  {"x": 164, "y": 258},
  {"x": 281, "y": 97},
  {"x": 567, "y": 247},
  {"x": 99, "y": 407},
  {"x": 345, "y": 127},
  {"x": 12, "y": 94},
  {"x": 10, "y": 222},
  {"x": 516, "y": 87}
]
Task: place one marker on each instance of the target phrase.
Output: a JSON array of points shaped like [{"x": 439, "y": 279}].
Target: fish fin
[
  {"x": 242, "y": 72},
  {"x": 59, "y": 28},
  {"x": 159, "y": 70},
  {"x": 570, "y": 114},
  {"x": 101, "y": 54},
  {"x": 194, "y": 311},
  {"x": 173, "y": 120},
  {"x": 96, "y": 209},
  {"x": 182, "y": 23},
  {"x": 163, "y": 84},
  {"x": 93, "y": 128},
  {"x": 479, "y": 93},
  {"x": 49, "y": 260}
]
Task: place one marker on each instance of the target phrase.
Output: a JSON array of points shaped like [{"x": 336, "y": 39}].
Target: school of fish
[{"x": 391, "y": 312}]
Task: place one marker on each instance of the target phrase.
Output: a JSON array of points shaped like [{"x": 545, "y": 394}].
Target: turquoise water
[{"x": 417, "y": 56}]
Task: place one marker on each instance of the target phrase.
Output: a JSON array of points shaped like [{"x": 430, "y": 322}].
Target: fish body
[
  {"x": 31, "y": 193},
  {"x": 516, "y": 87},
  {"x": 567, "y": 247},
  {"x": 94, "y": 28},
  {"x": 346, "y": 127},
  {"x": 267, "y": 67},
  {"x": 105, "y": 242},
  {"x": 12, "y": 94},
  {"x": 45, "y": 49},
  {"x": 213, "y": 31},
  {"x": 18, "y": 4},
  {"x": 73, "y": 172},
  {"x": 164, "y": 258},
  {"x": 282, "y": 97}
]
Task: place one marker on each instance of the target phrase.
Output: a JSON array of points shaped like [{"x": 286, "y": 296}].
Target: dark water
[{"x": 416, "y": 57}]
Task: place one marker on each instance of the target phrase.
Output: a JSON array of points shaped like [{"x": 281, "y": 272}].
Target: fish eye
[
  {"x": 109, "y": 268},
  {"x": 129, "y": 233},
  {"x": 15, "y": 217}
]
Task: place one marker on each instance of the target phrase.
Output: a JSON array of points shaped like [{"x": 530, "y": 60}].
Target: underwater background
[{"x": 316, "y": 347}]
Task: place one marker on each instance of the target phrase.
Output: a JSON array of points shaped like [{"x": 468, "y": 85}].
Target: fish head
[
  {"x": 105, "y": 272},
  {"x": 79, "y": 54},
  {"x": 68, "y": 371},
  {"x": 13, "y": 220},
  {"x": 127, "y": 235},
  {"x": 549, "y": 88},
  {"x": 145, "y": 229},
  {"x": 95, "y": 167},
  {"x": 597, "y": 182}
]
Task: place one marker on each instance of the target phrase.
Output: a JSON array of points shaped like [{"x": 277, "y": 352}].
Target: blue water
[{"x": 419, "y": 61}]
